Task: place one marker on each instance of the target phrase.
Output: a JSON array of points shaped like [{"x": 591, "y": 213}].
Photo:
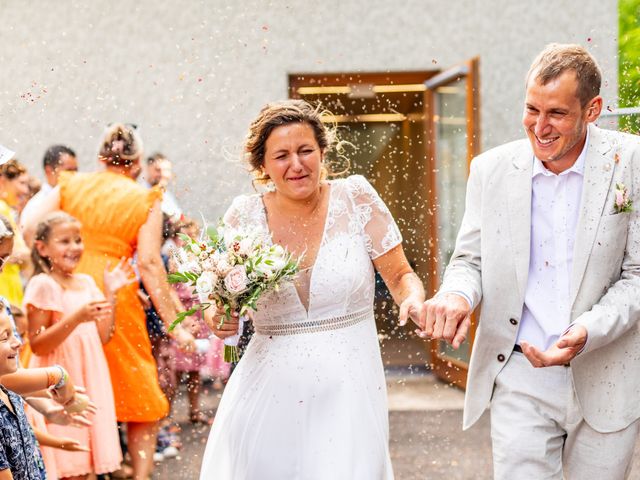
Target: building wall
[{"x": 193, "y": 74}]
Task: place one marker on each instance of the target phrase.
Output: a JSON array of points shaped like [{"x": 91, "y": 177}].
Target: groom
[{"x": 549, "y": 248}]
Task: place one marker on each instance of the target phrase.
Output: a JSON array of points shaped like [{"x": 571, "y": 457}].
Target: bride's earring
[{"x": 268, "y": 183}]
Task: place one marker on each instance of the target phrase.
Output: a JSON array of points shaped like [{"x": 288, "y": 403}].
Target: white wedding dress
[{"x": 308, "y": 399}]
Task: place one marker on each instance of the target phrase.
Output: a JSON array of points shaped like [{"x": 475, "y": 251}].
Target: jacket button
[
  {"x": 500, "y": 357},
  {"x": 513, "y": 321}
]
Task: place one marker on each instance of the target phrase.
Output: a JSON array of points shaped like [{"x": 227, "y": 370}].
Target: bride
[{"x": 308, "y": 399}]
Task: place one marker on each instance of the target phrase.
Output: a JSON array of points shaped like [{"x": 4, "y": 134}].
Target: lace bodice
[{"x": 358, "y": 229}]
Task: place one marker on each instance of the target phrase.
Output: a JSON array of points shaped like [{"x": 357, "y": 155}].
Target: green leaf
[
  {"x": 177, "y": 278},
  {"x": 185, "y": 238},
  {"x": 212, "y": 233},
  {"x": 191, "y": 276},
  {"x": 181, "y": 316}
]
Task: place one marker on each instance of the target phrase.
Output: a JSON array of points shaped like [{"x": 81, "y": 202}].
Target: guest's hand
[
  {"x": 415, "y": 309},
  {"x": 59, "y": 416},
  {"x": 71, "y": 445},
  {"x": 80, "y": 403},
  {"x": 184, "y": 339},
  {"x": 448, "y": 317},
  {"x": 214, "y": 318},
  {"x": 561, "y": 352},
  {"x": 96, "y": 311},
  {"x": 121, "y": 276}
]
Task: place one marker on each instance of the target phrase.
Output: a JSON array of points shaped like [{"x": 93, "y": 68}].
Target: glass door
[{"x": 454, "y": 100}]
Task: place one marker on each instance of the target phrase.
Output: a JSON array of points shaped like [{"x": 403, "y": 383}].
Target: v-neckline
[{"x": 315, "y": 260}]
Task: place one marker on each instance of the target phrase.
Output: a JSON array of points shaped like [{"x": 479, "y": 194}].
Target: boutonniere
[{"x": 622, "y": 203}]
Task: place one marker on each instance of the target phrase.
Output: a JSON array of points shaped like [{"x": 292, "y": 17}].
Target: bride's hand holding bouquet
[
  {"x": 218, "y": 323},
  {"x": 229, "y": 271}
]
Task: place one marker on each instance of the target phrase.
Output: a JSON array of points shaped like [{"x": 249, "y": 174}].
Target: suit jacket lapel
[
  {"x": 519, "y": 207},
  {"x": 598, "y": 172}
]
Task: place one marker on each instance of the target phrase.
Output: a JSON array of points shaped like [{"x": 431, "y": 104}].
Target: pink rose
[
  {"x": 236, "y": 280},
  {"x": 620, "y": 200}
]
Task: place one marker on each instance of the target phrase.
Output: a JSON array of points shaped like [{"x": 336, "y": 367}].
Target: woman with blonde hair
[
  {"x": 119, "y": 220},
  {"x": 308, "y": 398},
  {"x": 14, "y": 189}
]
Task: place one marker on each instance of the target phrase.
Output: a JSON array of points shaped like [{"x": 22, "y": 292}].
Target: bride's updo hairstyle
[
  {"x": 120, "y": 145},
  {"x": 277, "y": 114}
]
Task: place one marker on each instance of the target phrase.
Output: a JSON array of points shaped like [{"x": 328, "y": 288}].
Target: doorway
[{"x": 396, "y": 130}]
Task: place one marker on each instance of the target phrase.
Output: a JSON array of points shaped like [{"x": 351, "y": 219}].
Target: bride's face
[{"x": 293, "y": 160}]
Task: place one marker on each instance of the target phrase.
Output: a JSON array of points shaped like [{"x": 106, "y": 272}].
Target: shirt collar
[{"x": 577, "y": 167}]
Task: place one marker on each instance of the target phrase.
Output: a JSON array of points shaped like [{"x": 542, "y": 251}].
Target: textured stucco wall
[{"x": 194, "y": 73}]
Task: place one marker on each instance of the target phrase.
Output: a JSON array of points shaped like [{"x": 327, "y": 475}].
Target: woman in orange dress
[{"x": 119, "y": 219}]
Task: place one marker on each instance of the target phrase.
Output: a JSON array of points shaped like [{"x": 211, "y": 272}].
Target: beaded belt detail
[{"x": 312, "y": 326}]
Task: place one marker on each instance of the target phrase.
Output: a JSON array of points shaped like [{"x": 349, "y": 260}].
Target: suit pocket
[
  {"x": 614, "y": 225},
  {"x": 612, "y": 237}
]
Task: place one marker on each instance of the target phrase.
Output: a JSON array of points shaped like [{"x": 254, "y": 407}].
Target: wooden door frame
[
  {"x": 341, "y": 79},
  {"x": 449, "y": 369}
]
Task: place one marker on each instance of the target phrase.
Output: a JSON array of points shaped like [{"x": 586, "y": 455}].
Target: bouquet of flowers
[{"x": 230, "y": 270}]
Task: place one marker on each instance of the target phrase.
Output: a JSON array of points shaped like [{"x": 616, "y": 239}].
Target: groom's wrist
[{"x": 460, "y": 293}]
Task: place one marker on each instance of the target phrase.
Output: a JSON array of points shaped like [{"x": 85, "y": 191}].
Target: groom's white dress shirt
[{"x": 555, "y": 208}]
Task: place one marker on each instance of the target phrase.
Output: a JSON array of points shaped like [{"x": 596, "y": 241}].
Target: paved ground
[{"x": 426, "y": 438}]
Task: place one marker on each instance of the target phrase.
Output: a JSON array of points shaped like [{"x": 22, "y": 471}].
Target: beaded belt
[{"x": 311, "y": 326}]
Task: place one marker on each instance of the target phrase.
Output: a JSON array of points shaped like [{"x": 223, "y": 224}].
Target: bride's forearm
[{"x": 408, "y": 286}]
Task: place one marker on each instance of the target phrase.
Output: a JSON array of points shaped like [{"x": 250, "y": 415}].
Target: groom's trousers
[{"x": 538, "y": 432}]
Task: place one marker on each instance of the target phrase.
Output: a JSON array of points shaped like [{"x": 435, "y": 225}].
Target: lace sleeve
[
  {"x": 234, "y": 212},
  {"x": 372, "y": 216},
  {"x": 244, "y": 214}
]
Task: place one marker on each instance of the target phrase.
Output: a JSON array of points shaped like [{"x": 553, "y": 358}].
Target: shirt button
[
  {"x": 513, "y": 321},
  {"x": 500, "y": 357}
]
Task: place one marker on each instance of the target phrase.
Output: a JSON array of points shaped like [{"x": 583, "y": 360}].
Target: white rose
[
  {"x": 187, "y": 262},
  {"x": 205, "y": 285},
  {"x": 246, "y": 246},
  {"x": 230, "y": 235},
  {"x": 208, "y": 264},
  {"x": 195, "y": 248},
  {"x": 215, "y": 256},
  {"x": 193, "y": 266},
  {"x": 223, "y": 266},
  {"x": 270, "y": 265},
  {"x": 277, "y": 263},
  {"x": 236, "y": 280}
]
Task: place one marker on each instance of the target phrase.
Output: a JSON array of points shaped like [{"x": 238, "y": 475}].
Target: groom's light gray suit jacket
[{"x": 491, "y": 262}]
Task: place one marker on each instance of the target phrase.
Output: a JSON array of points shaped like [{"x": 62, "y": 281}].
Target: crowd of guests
[{"x": 88, "y": 366}]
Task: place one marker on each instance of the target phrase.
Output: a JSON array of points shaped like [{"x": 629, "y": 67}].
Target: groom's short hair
[{"x": 558, "y": 58}]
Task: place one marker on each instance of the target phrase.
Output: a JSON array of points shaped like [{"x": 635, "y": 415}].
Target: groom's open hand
[
  {"x": 448, "y": 318},
  {"x": 561, "y": 352}
]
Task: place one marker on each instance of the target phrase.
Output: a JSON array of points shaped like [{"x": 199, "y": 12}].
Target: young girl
[
  {"x": 19, "y": 455},
  {"x": 69, "y": 320}
]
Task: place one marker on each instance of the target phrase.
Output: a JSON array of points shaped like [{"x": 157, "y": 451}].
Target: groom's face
[{"x": 555, "y": 121}]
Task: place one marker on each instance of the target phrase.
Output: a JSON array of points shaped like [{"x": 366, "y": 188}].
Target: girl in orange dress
[
  {"x": 119, "y": 219},
  {"x": 69, "y": 319}
]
